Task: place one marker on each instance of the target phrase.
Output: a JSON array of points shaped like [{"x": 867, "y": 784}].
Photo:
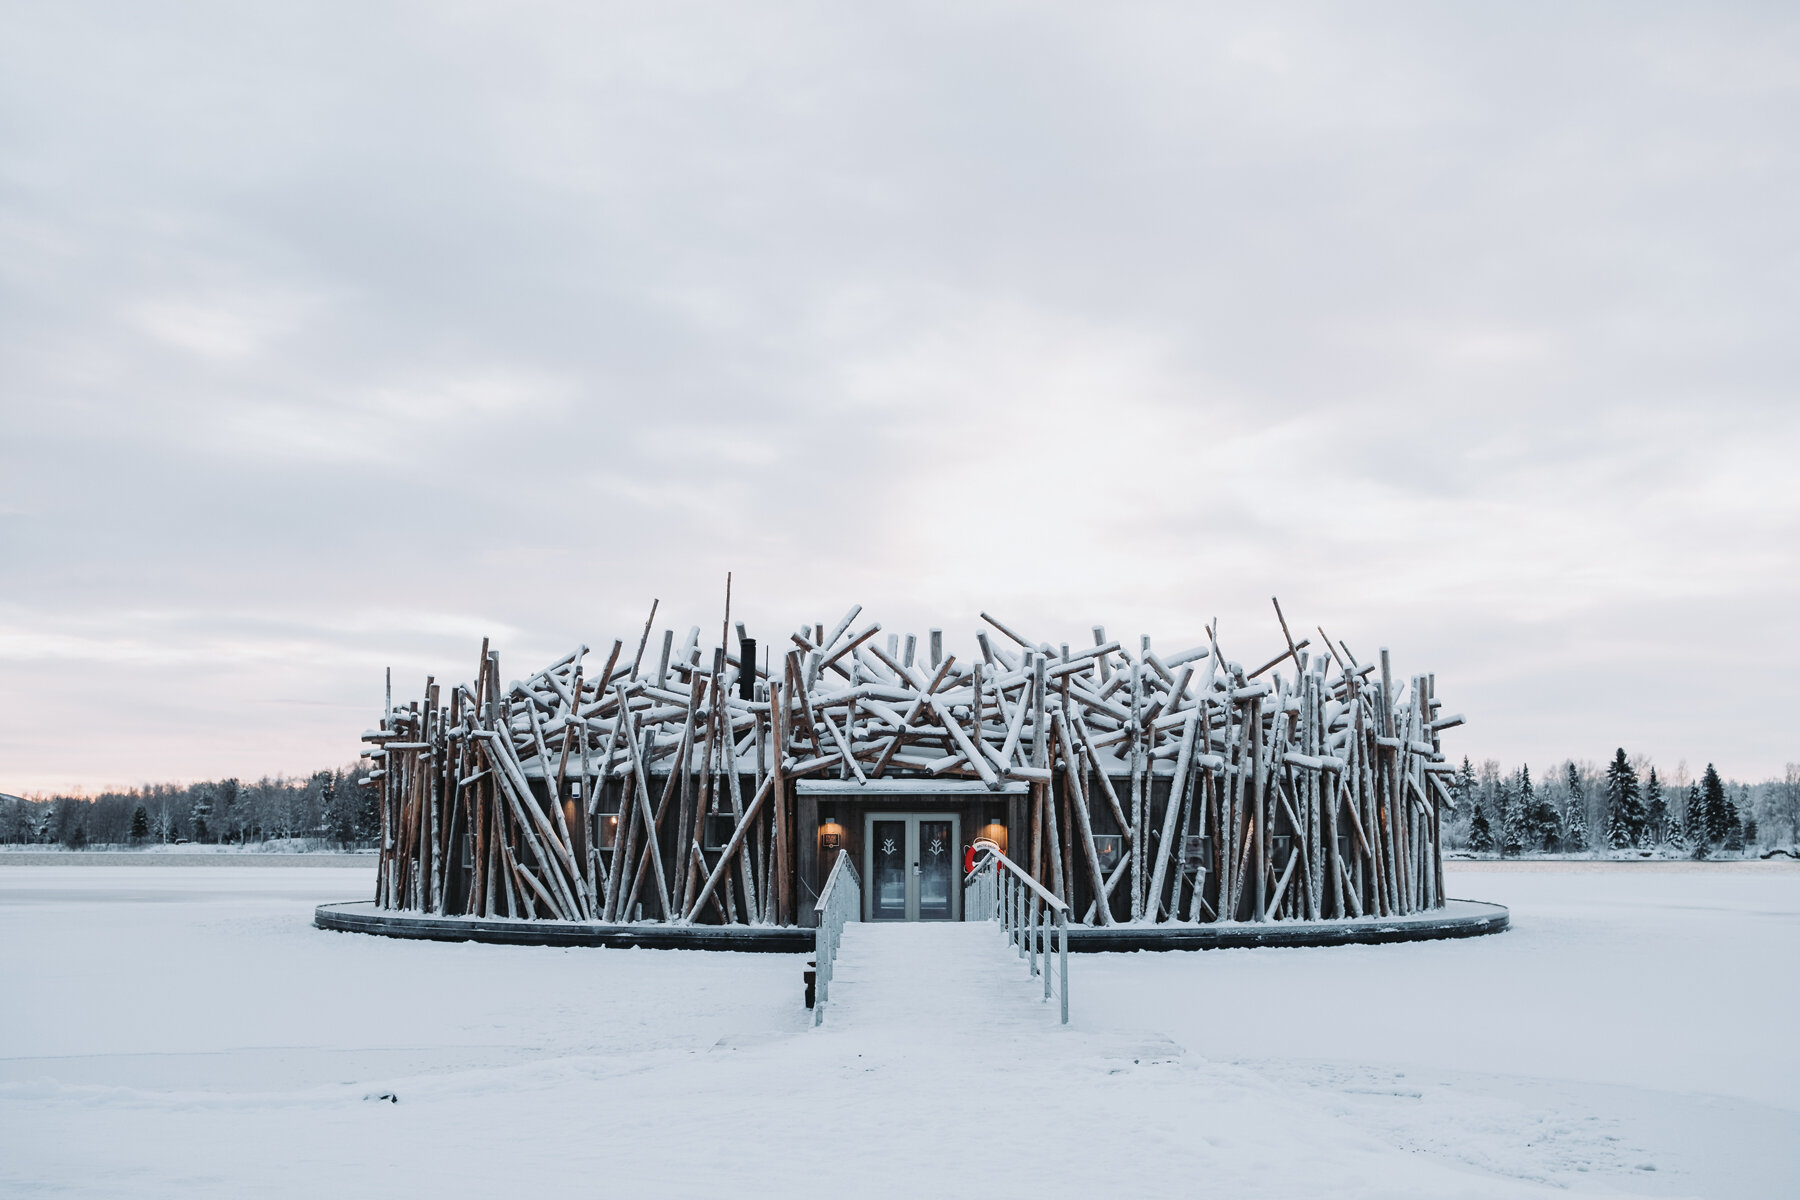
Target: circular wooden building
[{"x": 705, "y": 785}]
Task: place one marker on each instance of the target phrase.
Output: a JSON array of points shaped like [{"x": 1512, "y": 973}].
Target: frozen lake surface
[{"x": 180, "y": 1030}]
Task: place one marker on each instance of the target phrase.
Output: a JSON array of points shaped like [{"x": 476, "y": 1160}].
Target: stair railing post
[
  {"x": 1062, "y": 951},
  {"x": 1018, "y": 913},
  {"x": 1037, "y": 925},
  {"x": 1012, "y": 909},
  {"x": 1006, "y": 907}
]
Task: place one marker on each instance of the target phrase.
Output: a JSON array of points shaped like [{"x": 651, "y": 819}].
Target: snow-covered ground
[
  {"x": 181, "y": 1030},
  {"x": 16, "y": 854}
]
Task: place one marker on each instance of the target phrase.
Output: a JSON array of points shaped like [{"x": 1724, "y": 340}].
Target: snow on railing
[
  {"x": 1033, "y": 920},
  {"x": 840, "y": 901}
]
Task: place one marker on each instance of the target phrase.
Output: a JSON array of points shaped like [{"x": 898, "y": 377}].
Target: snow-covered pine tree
[
  {"x": 231, "y": 819},
  {"x": 339, "y": 805},
  {"x": 202, "y": 810},
  {"x": 1481, "y": 834},
  {"x": 317, "y": 797},
  {"x": 1750, "y": 833},
  {"x": 1528, "y": 831},
  {"x": 1677, "y": 837},
  {"x": 1624, "y": 812},
  {"x": 1694, "y": 821},
  {"x": 1787, "y": 800},
  {"x": 1541, "y": 816},
  {"x": 1656, "y": 812},
  {"x": 1575, "y": 832},
  {"x": 368, "y": 812},
  {"x": 324, "y": 785},
  {"x": 1512, "y": 818},
  {"x": 1734, "y": 828},
  {"x": 140, "y": 823},
  {"x": 1713, "y": 802}
]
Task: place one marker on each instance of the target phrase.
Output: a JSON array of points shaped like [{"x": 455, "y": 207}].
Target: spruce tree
[
  {"x": 1541, "y": 815},
  {"x": 230, "y": 820},
  {"x": 140, "y": 823},
  {"x": 1575, "y": 834},
  {"x": 203, "y": 808},
  {"x": 1512, "y": 819},
  {"x": 336, "y": 809},
  {"x": 1712, "y": 803},
  {"x": 1677, "y": 838},
  {"x": 1734, "y": 829},
  {"x": 368, "y": 813},
  {"x": 1624, "y": 811},
  {"x": 1481, "y": 834},
  {"x": 1695, "y": 823},
  {"x": 1462, "y": 786},
  {"x": 1656, "y": 812},
  {"x": 1750, "y": 833},
  {"x": 1528, "y": 829}
]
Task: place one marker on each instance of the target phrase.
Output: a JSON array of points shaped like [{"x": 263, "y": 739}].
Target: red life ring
[{"x": 970, "y": 853}]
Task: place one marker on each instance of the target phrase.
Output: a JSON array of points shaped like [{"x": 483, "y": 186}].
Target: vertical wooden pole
[
  {"x": 783, "y": 857},
  {"x": 1260, "y": 810}
]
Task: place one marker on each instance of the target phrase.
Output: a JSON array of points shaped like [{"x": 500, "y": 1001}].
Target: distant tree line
[
  {"x": 1578, "y": 809},
  {"x": 327, "y": 806},
  {"x": 1625, "y": 807}
]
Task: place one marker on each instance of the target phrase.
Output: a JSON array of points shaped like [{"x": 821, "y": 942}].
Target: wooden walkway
[{"x": 954, "y": 978}]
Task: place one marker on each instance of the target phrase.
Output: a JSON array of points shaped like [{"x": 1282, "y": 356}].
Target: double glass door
[{"x": 913, "y": 866}]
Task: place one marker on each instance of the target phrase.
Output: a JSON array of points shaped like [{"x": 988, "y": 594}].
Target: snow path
[
  {"x": 960, "y": 980},
  {"x": 183, "y": 1032},
  {"x": 950, "y": 1014}
]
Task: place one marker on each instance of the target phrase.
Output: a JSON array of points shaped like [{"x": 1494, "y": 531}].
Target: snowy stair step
[{"x": 957, "y": 979}]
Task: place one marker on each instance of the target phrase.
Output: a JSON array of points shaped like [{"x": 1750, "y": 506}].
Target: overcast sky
[{"x": 339, "y": 337}]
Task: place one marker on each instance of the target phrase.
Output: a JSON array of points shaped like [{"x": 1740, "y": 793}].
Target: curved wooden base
[
  {"x": 363, "y": 917},
  {"x": 1457, "y": 919}
]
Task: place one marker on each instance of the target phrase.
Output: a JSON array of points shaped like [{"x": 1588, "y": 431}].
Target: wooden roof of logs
[{"x": 1317, "y": 749}]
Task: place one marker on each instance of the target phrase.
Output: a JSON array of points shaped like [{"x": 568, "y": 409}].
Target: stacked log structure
[{"x": 659, "y": 783}]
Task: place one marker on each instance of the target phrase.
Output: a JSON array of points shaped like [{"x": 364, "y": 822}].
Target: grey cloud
[{"x": 335, "y": 335}]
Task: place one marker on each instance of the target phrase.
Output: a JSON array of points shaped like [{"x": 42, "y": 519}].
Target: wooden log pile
[{"x": 1162, "y": 787}]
